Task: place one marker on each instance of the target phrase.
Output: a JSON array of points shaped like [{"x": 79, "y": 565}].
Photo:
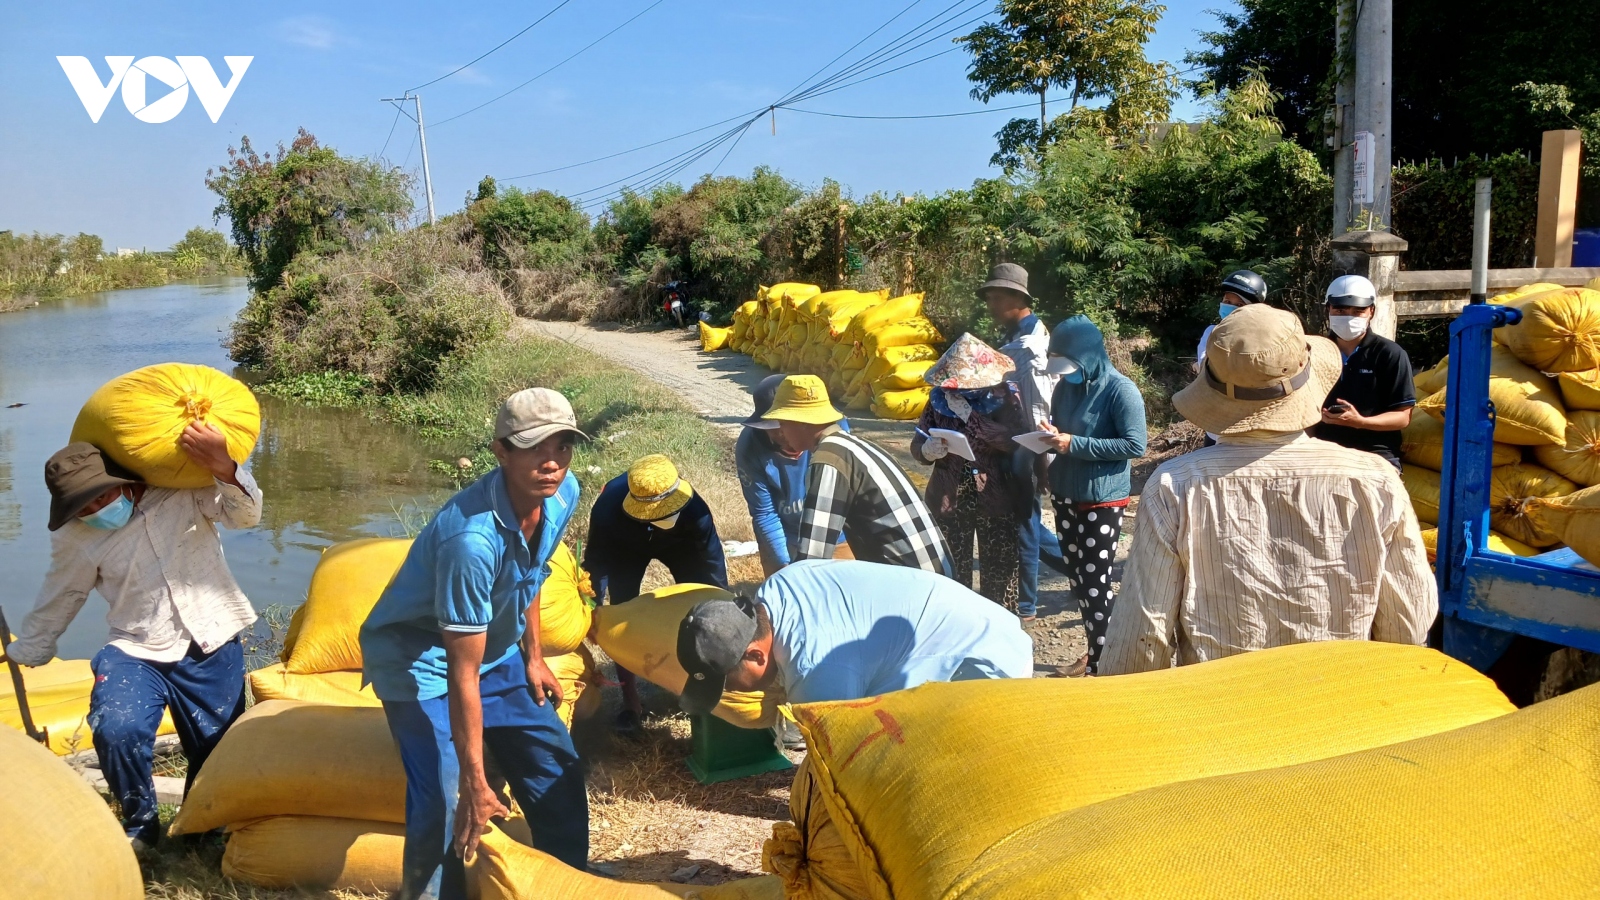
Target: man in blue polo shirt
[{"x": 452, "y": 650}]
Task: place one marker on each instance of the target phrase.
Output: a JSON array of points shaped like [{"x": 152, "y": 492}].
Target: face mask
[
  {"x": 1224, "y": 309},
  {"x": 1061, "y": 365},
  {"x": 1349, "y": 328},
  {"x": 1074, "y": 377},
  {"x": 668, "y": 522},
  {"x": 112, "y": 516}
]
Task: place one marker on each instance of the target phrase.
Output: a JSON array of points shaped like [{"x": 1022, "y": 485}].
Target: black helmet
[{"x": 1247, "y": 284}]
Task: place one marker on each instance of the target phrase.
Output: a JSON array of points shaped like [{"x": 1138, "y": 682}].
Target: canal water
[{"x": 327, "y": 475}]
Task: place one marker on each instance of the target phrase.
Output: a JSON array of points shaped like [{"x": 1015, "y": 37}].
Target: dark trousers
[
  {"x": 205, "y": 692},
  {"x": 996, "y": 538},
  {"x": 1035, "y": 543},
  {"x": 524, "y": 741},
  {"x": 1089, "y": 545}
]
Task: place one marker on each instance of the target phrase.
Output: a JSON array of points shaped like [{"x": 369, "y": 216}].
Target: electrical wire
[
  {"x": 558, "y": 65},
  {"x": 493, "y": 49},
  {"x": 638, "y": 148},
  {"x": 392, "y": 126}
]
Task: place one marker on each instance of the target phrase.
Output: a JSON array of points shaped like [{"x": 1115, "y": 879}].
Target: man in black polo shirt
[{"x": 1372, "y": 402}]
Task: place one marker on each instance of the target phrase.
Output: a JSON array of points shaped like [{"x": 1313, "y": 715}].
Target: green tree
[
  {"x": 1092, "y": 48},
  {"x": 306, "y": 198},
  {"x": 206, "y": 244},
  {"x": 533, "y": 230}
]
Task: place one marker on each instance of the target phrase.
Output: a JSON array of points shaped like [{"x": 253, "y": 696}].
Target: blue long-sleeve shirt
[
  {"x": 1104, "y": 414},
  {"x": 774, "y": 488},
  {"x": 620, "y": 547}
]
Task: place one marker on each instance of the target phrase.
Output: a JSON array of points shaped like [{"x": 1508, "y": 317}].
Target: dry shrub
[{"x": 563, "y": 295}]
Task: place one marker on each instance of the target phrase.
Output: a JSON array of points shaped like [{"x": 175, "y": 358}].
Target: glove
[{"x": 935, "y": 448}]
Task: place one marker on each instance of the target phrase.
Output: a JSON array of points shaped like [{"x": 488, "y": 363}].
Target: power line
[
  {"x": 974, "y": 112},
  {"x": 635, "y": 149},
  {"x": 397, "y": 111},
  {"x": 558, "y": 65},
  {"x": 493, "y": 49}
]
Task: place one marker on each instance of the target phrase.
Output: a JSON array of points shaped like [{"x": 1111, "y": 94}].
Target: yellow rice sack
[
  {"x": 839, "y": 321},
  {"x": 1528, "y": 407},
  {"x": 905, "y": 376},
  {"x": 58, "y": 699},
  {"x": 575, "y": 672},
  {"x": 1511, "y": 488},
  {"x": 903, "y": 333},
  {"x": 276, "y": 682},
  {"x": 325, "y": 632},
  {"x": 563, "y": 604},
  {"x": 887, "y": 313},
  {"x": 1422, "y": 444},
  {"x": 1432, "y": 381},
  {"x": 900, "y": 405},
  {"x": 1574, "y": 517},
  {"x": 642, "y": 637},
  {"x": 505, "y": 869},
  {"x": 59, "y": 840},
  {"x": 298, "y": 759},
  {"x": 1422, "y": 486},
  {"x": 790, "y": 293},
  {"x": 1509, "y": 807},
  {"x": 1580, "y": 390},
  {"x": 317, "y": 853},
  {"x": 1517, "y": 296},
  {"x": 1579, "y": 458},
  {"x": 1499, "y": 543},
  {"x": 1559, "y": 331},
  {"x": 137, "y": 418},
  {"x": 713, "y": 339},
  {"x": 919, "y": 783}
]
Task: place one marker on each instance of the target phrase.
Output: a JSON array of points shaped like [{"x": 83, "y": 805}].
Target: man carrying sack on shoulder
[{"x": 1269, "y": 537}]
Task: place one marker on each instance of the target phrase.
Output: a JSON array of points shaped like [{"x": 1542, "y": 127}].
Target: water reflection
[{"x": 328, "y": 475}]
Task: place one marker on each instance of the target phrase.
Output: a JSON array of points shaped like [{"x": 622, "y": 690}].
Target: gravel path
[{"x": 717, "y": 385}]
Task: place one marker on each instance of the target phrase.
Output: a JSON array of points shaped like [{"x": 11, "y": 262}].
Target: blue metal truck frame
[{"x": 1487, "y": 598}]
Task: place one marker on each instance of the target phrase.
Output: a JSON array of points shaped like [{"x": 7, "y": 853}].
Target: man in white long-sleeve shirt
[
  {"x": 175, "y": 613},
  {"x": 1027, "y": 342}
]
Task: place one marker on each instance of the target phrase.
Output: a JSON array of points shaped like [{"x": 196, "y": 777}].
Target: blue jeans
[
  {"x": 1034, "y": 541},
  {"x": 205, "y": 692},
  {"x": 524, "y": 741}
]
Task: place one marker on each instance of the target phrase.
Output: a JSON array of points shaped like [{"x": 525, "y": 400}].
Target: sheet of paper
[
  {"x": 956, "y": 441},
  {"x": 1036, "y": 441}
]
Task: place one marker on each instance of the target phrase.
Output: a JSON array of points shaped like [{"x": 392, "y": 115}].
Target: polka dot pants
[{"x": 1089, "y": 546}]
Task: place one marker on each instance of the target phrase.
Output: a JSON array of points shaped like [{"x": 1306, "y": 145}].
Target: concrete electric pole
[
  {"x": 422, "y": 138},
  {"x": 1361, "y": 116}
]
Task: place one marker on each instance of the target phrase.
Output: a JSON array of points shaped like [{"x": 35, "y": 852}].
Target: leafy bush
[
  {"x": 1432, "y": 210},
  {"x": 532, "y": 230},
  {"x": 306, "y": 198}
]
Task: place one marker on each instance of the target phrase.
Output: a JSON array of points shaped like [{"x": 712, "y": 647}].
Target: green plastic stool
[{"x": 723, "y": 752}]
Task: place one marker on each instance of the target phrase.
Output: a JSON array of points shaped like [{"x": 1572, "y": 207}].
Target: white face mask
[
  {"x": 668, "y": 522},
  {"x": 1349, "y": 328}
]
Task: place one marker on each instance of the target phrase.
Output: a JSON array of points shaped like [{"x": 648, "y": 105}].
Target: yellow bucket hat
[
  {"x": 803, "y": 398},
  {"x": 655, "y": 489}
]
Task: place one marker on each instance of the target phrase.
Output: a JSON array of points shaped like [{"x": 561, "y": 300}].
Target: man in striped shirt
[
  {"x": 1270, "y": 537},
  {"x": 853, "y": 486}
]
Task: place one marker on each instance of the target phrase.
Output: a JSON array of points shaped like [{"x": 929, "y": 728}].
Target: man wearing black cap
[
  {"x": 174, "y": 610},
  {"x": 847, "y": 629},
  {"x": 773, "y": 479}
]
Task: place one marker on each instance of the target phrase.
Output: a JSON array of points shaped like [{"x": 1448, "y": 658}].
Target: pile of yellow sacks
[
  {"x": 871, "y": 350},
  {"x": 1545, "y": 384},
  {"x": 1332, "y": 769},
  {"x": 308, "y": 783}
]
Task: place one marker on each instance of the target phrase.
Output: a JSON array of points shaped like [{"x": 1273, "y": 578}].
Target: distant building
[{"x": 126, "y": 251}]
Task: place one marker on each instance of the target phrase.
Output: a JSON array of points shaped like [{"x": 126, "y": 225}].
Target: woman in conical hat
[{"x": 977, "y": 499}]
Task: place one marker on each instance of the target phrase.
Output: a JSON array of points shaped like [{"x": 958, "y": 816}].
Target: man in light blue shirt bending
[
  {"x": 452, "y": 650},
  {"x": 844, "y": 630}
]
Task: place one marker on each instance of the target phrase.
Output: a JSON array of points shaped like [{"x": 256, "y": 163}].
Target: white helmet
[{"x": 1351, "y": 290}]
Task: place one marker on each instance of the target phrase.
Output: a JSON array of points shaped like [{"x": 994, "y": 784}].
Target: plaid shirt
[{"x": 853, "y": 486}]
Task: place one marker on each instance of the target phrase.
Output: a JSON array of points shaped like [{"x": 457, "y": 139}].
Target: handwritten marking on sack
[{"x": 891, "y": 729}]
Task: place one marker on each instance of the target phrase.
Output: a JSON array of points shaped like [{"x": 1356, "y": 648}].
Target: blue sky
[{"x": 681, "y": 65}]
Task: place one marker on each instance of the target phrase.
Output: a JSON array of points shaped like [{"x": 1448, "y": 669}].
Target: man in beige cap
[
  {"x": 1270, "y": 537},
  {"x": 452, "y": 649}
]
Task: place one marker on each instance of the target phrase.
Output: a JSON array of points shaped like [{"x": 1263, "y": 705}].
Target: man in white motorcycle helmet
[{"x": 1372, "y": 402}]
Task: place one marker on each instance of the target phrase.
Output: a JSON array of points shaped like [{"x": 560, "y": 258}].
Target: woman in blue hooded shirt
[
  {"x": 774, "y": 482},
  {"x": 1097, "y": 418}
]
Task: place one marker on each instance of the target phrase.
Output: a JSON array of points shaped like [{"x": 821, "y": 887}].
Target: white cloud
[{"x": 315, "y": 32}]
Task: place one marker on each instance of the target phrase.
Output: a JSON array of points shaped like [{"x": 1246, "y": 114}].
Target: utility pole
[
  {"x": 1362, "y": 114},
  {"x": 422, "y": 138}
]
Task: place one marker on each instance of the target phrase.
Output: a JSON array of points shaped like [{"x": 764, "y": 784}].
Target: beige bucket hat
[{"x": 1262, "y": 373}]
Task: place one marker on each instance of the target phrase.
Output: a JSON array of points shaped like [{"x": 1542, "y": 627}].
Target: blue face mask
[
  {"x": 1073, "y": 377},
  {"x": 1224, "y": 309},
  {"x": 112, "y": 516}
]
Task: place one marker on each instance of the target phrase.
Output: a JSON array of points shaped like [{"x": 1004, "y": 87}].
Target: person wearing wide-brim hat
[
  {"x": 173, "y": 609},
  {"x": 1271, "y": 536},
  {"x": 980, "y": 498},
  {"x": 650, "y": 513},
  {"x": 773, "y": 480},
  {"x": 852, "y": 487}
]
